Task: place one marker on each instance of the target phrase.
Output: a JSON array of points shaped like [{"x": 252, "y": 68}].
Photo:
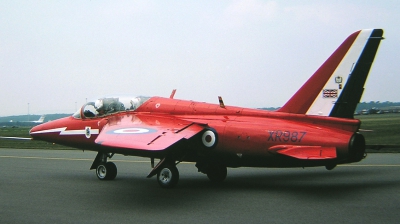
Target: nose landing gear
[{"x": 104, "y": 170}]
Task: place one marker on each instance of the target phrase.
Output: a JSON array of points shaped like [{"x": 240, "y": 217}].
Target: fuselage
[{"x": 246, "y": 137}]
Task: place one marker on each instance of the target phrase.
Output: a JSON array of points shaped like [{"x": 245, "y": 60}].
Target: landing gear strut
[{"x": 104, "y": 170}]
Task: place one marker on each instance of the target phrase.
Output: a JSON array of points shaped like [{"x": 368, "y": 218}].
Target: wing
[
  {"x": 305, "y": 152},
  {"x": 146, "y": 132}
]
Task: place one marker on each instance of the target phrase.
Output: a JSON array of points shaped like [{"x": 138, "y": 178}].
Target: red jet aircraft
[{"x": 314, "y": 128}]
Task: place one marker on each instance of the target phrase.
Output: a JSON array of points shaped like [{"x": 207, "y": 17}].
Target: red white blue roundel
[
  {"x": 209, "y": 138},
  {"x": 132, "y": 131}
]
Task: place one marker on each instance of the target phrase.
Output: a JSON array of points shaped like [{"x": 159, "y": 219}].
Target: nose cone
[
  {"x": 35, "y": 131},
  {"x": 48, "y": 131}
]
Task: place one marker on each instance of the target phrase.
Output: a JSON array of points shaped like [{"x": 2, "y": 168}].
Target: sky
[{"x": 55, "y": 55}]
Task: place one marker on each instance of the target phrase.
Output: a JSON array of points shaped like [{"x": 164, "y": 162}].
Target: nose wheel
[{"x": 106, "y": 171}]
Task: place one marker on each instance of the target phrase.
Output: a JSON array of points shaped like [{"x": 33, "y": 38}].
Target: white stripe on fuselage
[{"x": 63, "y": 131}]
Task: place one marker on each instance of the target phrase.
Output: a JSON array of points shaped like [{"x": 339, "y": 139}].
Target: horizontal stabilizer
[{"x": 305, "y": 152}]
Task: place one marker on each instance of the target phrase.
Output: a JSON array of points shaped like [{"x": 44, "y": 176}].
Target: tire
[
  {"x": 112, "y": 170},
  {"x": 168, "y": 176},
  {"x": 330, "y": 166},
  {"x": 217, "y": 173},
  {"x": 106, "y": 171}
]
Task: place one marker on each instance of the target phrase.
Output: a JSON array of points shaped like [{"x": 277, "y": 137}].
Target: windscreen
[{"x": 109, "y": 105}]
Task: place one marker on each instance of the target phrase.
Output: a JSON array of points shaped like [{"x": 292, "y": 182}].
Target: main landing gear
[
  {"x": 330, "y": 166},
  {"x": 215, "y": 171},
  {"x": 168, "y": 176},
  {"x": 167, "y": 173},
  {"x": 104, "y": 170}
]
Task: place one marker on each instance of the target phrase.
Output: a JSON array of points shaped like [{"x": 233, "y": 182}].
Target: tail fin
[
  {"x": 336, "y": 87},
  {"x": 41, "y": 119}
]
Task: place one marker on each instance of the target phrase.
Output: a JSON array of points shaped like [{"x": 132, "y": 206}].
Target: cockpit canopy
[{"x": 109, "y": 105}]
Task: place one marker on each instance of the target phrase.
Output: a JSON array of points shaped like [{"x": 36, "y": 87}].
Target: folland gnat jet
[{"x": 314, "y": 128}]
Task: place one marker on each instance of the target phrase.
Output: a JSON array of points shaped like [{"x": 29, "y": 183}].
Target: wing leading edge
[{"x": 146, "y": 132}]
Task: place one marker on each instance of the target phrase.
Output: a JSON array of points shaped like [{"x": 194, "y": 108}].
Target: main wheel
[
  {"x": 106, "y": 171},
  {"x": 216, "y": 172},
  {"x": 168, "y": 176},
  {"x": 330, "y": 166}
]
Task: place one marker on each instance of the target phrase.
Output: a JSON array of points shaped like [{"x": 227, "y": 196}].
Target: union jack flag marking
[{"x": 330, "y": 93}]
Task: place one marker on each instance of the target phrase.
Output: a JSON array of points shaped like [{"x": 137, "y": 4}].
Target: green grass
[
  {"x": 24, "y": 144},
  {"x": 382, "y": 129}
]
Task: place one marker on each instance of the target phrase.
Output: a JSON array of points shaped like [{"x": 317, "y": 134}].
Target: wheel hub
[
  {"x": 165, "y": 175},
  {"x": 101, "y": 172}
]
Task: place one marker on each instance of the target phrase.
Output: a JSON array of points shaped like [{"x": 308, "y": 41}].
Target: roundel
[
  {"x": 132, "y": 131},
  {"x": 209, "y": 138}
]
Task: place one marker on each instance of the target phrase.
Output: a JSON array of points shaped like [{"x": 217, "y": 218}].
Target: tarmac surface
[{"x": 45, "y": 186}]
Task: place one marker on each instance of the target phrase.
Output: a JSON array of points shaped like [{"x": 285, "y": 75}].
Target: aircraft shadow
[{"x": 315, "y": 185}]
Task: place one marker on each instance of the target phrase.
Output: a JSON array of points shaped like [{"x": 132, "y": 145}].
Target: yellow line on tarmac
[
  {"x": 69, "y": 159},
  {"x": 373, "y": 165},
  {"x": 75, "y": 159}
]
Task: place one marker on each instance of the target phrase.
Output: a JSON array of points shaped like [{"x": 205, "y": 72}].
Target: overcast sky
[{"x": 253, "y": 53}]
